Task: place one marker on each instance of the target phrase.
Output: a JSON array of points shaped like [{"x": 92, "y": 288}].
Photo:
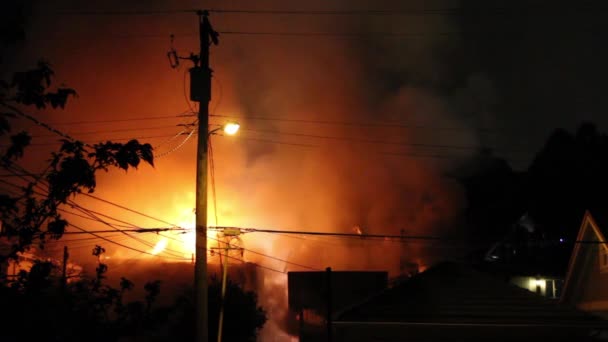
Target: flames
[
  {"x": 160, "y": 246},
  {"x": 182, "y": 242}
]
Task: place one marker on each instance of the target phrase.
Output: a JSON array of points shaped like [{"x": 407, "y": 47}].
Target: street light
[{"x": 230, "y": 128}]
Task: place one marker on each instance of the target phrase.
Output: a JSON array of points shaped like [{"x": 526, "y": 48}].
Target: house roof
[
  {"x": 599, "y": 217},
  {"x": 456, "y": 293},
  {"x": 597, "y": 223}
]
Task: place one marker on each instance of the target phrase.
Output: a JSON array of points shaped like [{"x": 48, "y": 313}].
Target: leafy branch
[{"x": 33, "y": 215}]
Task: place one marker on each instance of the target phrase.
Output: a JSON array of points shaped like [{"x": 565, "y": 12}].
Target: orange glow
[
  {"x": 273, "y": 173},
  {"x": 159, "y": 247},
  {"x": 231, "y": 128},
  {"x": 183, "y": 242}
]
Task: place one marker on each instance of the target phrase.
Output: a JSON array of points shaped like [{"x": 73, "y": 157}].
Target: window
[{"x": 603, "y": 259}]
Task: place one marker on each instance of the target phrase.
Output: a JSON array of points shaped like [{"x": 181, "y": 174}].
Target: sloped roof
[
  {"x": 600, "y": 219},
  {"x": 456, "y": 293},
  {"x": 598, "y": 222}
]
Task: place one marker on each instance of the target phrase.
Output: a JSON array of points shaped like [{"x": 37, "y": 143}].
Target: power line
[
  {"x": 89, "y": 122},
  {"x": 349, "y": 123},
  {"x": 47, "y": 143},
  {"x": 128, "y": 230},
  {"x": 272, "y": 257},
  {"x": 371, "y": 236},
  {"x": 128, "y": 209},
  {"x": 340, "y": 34},
  {"x": 178, "y": 146},
  {"x": 21, "y": 175},
  {"x": 394, "y": 154},
  {"x": 128, "y": 227},
  {"x": 89, "y": 218},
  {"x": 116, "y": 130},
  {"x": 274, "y": 141},
  {"x": 81, "y": 239},
  {"x": 120, "y": 244},
  {"x": 170, "y": 224},
  {"x": 361, "y": 140},
  {"x": 373, "y": 12},
  {"x": 255, "y": 264},
  {"x": 92, "y": 215},
  {"x": 142, "y": 241},
  {"x": 126, "y": 12},
  {"x": 304, "y": 34},
  {"x": 448, "y": 11},
  {"x": 38, "y": 122}
]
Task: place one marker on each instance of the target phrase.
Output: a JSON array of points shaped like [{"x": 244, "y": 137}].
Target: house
[
  {"x": 309, "y": 302},
  {"x": 586, "y": 285},
  {"x": 454, "y": 302},
  {"x": 528, "y": 258}
]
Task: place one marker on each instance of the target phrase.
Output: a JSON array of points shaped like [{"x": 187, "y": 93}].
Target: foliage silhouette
[
  {"x": 33, "y": 216},
  {"x": 566, "y": 177}
]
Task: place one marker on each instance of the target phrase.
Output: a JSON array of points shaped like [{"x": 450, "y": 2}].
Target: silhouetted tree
[
  {"x": 566, "y": 177},
  {"x": 32, "y": 216},
  {"x": 494, "y": 193},
  {"x": 243, "y": 318}
]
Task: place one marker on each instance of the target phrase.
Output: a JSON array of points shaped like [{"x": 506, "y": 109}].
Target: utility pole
[
  {"x": 64, "y": 267},
  {"x": 200, "y": 91},
  {"x": 229, "y": 234},
  {"x": 329, "y": 303}
]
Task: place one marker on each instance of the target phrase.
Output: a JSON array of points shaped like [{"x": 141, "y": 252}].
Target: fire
[
  {"x": 160, "y": 246},
  {"x": 183, "y": 242}
]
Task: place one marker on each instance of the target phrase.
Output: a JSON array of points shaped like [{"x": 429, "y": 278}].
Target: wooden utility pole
[
  {"x": 229, "y": 235},
  {"x": 329, "y": 303},
  {"x": 64, "y": 267},
  {"x": 200, "y": 91}
]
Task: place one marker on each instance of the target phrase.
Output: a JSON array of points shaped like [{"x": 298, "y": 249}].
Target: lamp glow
[{"x": 231, "y": 128}]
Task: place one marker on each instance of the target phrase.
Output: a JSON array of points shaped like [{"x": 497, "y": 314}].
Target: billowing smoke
[
  {"x": 347, "y": 134},
  {"x": 362, "y": 178},
  {"x": 356, "y": 172}
]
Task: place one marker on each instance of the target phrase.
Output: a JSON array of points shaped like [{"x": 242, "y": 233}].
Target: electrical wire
[
  {"x": 142, "y": 241},
  {"x": 120, "y": 244},
  {"x": 123, "y": 12},
  {"x": 38, "y": 122},
  {"x": 178, "y": 146},
  {"x": 91, "y": 122},
  {"x": 361, "y": 140},
  {"x": 160, "y": 220},
  {"x": 359, "y": 236},
  {"x": 114, "y": 130},
  {"x": 273, "y": 141},
  {"x": 303, "y": 232},
  {"x": 272, "y": 257},
  {"x": 47, "y": 143},
  {"x": 365, "y": 124},
  {"x": 449, "y": 11},
  {"x": 92, "y": 215}
]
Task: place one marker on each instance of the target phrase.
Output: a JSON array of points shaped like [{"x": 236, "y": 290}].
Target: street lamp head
[{"x": 230, "y": 128}]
